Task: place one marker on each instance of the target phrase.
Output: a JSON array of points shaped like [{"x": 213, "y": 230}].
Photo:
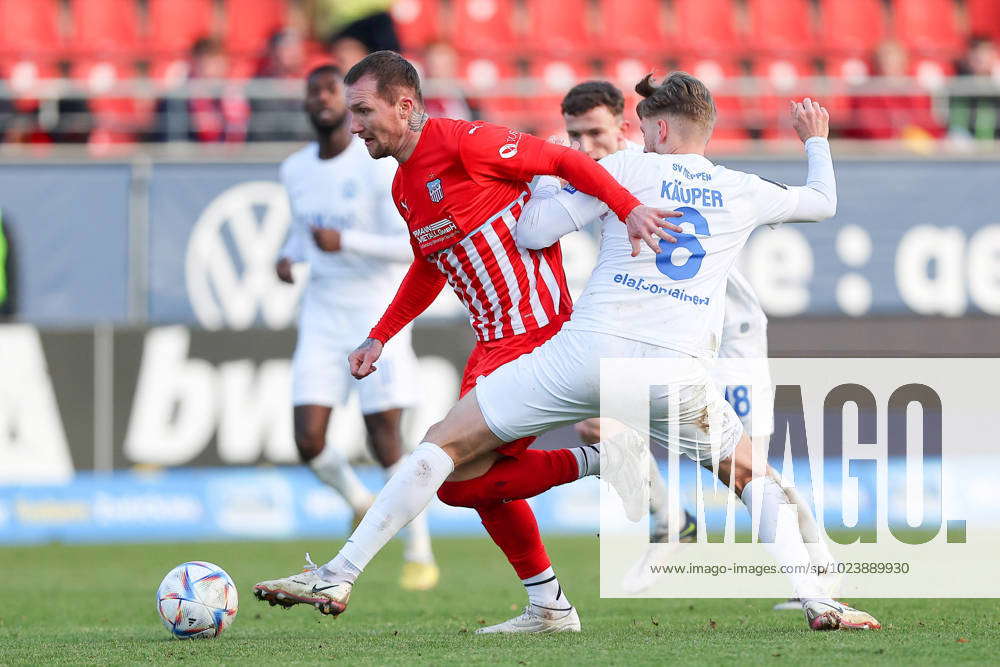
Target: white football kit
[
  {"x": 348, "y": 290},
  {"x": 747, "y": 383},
  {"x": 668, "y": 304}
]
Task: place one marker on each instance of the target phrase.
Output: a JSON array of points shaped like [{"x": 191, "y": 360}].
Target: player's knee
[
  {"x": 447, "y": 438},
  {"x": 310, "y": 443}
]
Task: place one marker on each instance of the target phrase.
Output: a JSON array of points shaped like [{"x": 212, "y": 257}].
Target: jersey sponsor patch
[
  {"x": 436, "y": 235},
  {"x": 435, "y": 190},
  {"x": 780, "y": 185}
]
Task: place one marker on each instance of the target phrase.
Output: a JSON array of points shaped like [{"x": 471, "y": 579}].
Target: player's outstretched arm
[{"x": 818, "y": 199}]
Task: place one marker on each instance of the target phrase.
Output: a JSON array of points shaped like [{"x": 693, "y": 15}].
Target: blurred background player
[
  {"x": 347, "y": 229},
  {"x": 593, "y": 112}
]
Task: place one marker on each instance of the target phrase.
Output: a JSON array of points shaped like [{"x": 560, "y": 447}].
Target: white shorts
[
  {"x": 320, "y": 372},
  {"x": 743, "y": 375},
  {"x": 559, "y": 384}
]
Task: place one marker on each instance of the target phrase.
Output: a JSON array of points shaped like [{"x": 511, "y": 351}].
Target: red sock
[
  {"x": 514, "y": 529},
  {"x": 531, "y": 473}
]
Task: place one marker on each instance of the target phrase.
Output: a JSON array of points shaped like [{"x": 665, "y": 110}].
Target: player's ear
[
  {"x": 663, "y": 130},
  {"x": 405, "y": 107}
]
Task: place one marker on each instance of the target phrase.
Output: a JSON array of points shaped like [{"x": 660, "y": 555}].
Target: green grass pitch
[{"x": 94, "y": 604}]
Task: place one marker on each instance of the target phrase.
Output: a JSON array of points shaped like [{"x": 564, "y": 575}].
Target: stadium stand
[
  {"x": 29, "y": 31},
  {"x": 249, "y": 23},
  {"x": 515, "y": 57},
  {"x": 852, "y": 28},
  {"x": 639, "y": 32},
  {"x": 174, "y": 25},
  {"x": 418, "y": 22},
  {"x": 984, "y": 17},
  {"x": 927, "y": 27},
  {"x": 779, "y": 28},
  {"x": 104, "y": 29},
  {"x": 483, "y": 26},
  {"x": 556, "y": 27},
  {"x": 706, "y": 27}
]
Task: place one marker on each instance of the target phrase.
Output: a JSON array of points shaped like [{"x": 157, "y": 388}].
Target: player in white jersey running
[
  {"x": 593, "y": 113},
  {"x": 629, "y": 309},
  {"x": 346, "y": 227}
]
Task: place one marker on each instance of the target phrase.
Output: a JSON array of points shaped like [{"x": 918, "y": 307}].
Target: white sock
[
  {"x": 588, "y": 459},
  {"x": 816, "y": 545},
  {"x": 544, "y": 591},
  {"x": 407, "y": 494},
  {"x": 666, "y": 518},
  {"x": 334, "y": 470},
  {"x": 781, "y": 539},
  {"x": 418, "y": 537}
]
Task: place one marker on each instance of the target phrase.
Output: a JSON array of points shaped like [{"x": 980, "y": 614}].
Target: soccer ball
[{"x": 196, "y": 600}]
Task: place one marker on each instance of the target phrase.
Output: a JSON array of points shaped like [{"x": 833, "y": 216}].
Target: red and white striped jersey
[
  {"x": 461, "y": 192},
  {"x": 507, "y": 290}
]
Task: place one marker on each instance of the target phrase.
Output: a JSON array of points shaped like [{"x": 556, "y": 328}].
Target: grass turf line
[{"x": 94, "y": 604}]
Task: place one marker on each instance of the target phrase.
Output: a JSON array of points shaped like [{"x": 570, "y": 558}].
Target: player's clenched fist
[
  {"x": 647, "y": 225},
  {"x": 362, "y": 360},
  {"x": 810, "y": 119}
]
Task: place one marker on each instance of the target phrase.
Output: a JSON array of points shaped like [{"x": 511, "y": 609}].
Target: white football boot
[
  {"x": 537, "y": 620},
  {"x": 832, "y": 615},
  {"x": 307, "y": 587},
  {"x": 627, "y": 457}
]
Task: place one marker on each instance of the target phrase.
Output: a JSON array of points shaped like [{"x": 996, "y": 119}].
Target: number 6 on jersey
[{"x": 690, "y": 242}]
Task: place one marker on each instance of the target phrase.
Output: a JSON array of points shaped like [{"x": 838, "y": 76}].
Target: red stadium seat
[
  {"x": 853, "y": 27},
  {"x": 25, "y": 76},
  {"x": 117, "y": 117},
  {"x": 635, "y": 29},
  {"x": 626, "y": 72},
  {"x": 931, "y": 73},
  {"x": 555, "y": 76},
  {"x": 556, "y": 27},
  {"x": 483, "y": 26},
  {"x": 490, "y": 88},
  {"x": 418, "y": 22},
  {"x": 706, "y": 26},
  {"x": 928, "y": 26},
  {"x": 249, "y": 24},
  {"x": 783, "y": 27},
  {"x": 105, "y": 27},
  {"x": 984, "y": 17},
  {"x": 849, "y": 69},
  {"x": 29, "y": 29},
  {"x": 175, "y": 25},
  {"x": 782, "y": 78},
  {"x": 715, "y": 72}
]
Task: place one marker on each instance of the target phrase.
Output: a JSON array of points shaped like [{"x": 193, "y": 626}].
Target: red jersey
[{"x": 460, "y": 193}]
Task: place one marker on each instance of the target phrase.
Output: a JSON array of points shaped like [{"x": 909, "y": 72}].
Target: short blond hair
[{"x": 679, "y": 94}]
